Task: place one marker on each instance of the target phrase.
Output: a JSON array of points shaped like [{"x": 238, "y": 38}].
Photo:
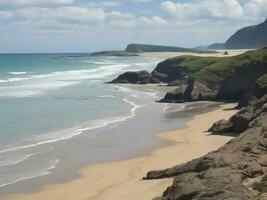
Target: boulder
[
  {"x": 222, "y": 126},
  {"x": 139, "y": 77},
  {"x": 221, "y": 173},
  {"x": 175, "y": 96}
]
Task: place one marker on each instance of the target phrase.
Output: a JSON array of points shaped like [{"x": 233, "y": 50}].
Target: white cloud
[
  {"x": 142, "y": 1},
  {"x": 256, "y": 8},
  {"x": 217, "y": 9},
  {"x": 37, "y": 3},
  {"x": 154, "y": 21},
  {"x": 186, "y": 23},
  {"x": 5, "y": 15}
]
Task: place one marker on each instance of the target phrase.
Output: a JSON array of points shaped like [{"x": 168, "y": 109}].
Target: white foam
[
  {"x": 39, "y": 84},
  {"x": 106, "y": 96},
  {"x": 13, "y": 159},
  {"x": 70, "y": 133},
  {"x": 29, "y": 175},
  {"x": 17, "y": 73}
]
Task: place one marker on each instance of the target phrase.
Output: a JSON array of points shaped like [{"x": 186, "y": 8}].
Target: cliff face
[
  {"x": 221, "y": 174},
  {"x": 173, "y": 71},
  {"x": 224, "y": 79}
]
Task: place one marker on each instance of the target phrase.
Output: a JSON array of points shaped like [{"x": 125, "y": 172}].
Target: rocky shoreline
[
  {"x": 227, "y": 79},
  {"x": 220, "y": 174}
]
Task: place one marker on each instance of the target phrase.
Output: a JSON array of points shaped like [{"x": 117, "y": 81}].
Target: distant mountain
[
  {"x": 139, "y": 48},
  {"x": 251, "y": 37}
]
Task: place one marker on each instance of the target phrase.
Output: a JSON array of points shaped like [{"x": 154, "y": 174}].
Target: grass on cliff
[
  {"x": 225, "y": 68},
  {"x": 262, "y": 82},
  {"x": 193, "y": 63}
]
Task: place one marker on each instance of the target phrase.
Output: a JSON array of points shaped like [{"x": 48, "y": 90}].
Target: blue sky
[{"x": 91, "y": 25}]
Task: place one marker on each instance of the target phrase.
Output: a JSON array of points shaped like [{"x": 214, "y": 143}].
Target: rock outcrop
[
  {"x": 221, "y": 173},
  {"x": 225, "y": 79},
  {"x": 177, "y": 70},
  {"x": 139, "y": 77}
]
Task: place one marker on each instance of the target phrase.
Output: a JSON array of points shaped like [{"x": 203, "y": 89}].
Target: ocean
[{"x": 47, "y": 101}]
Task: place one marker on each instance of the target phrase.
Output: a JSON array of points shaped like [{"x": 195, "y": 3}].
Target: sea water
[{"x": 47, "y": 98}]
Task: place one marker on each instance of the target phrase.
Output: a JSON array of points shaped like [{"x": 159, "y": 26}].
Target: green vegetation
[
  {"x": 226, "y": 68},
  {"x": 262, "y": 185},
  {"x": 193, "y": 63},
  {"x": 262, "y": 82}
]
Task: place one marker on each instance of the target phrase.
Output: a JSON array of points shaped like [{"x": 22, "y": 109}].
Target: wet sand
[{"x": 122, "y": 179}]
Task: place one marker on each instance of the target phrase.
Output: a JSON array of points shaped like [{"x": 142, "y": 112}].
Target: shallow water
[{"x": 47, "y": 99}]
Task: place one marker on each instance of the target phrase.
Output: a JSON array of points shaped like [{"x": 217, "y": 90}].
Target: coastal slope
[
  {"x": 206, "y": 78},
  {"x": 223, "y": 174},
  {"x": 250, "y": 37}
]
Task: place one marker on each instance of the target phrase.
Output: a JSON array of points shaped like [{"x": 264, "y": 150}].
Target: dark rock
[
  {"x": 221, "y": 173},
  {"x": 139, "y": 77},
  {"x": 242, "y": 119},
  {"x": 175, "y": 96},
  {"x": 222, "y": 126}
]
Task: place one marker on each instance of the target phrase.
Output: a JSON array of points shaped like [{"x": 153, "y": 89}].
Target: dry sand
[
  {"x": 122, "y": 179},
  {"x": 220, "y": 53}
]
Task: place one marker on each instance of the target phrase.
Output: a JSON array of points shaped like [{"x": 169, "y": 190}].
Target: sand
[
  {"x": 122, "y": 179},
  {"x": 220, "y": 53}
]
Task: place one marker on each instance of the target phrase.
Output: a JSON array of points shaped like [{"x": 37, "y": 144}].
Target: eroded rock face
[
  {"x": 242, "y": 119},
  {"x": 220, "y": 174},
  {"x": 175, "y": 96},
  {"x": 222, "y": 126},
  {"x": 194, "y": 91},
  {"x": 139, "y": 77}
]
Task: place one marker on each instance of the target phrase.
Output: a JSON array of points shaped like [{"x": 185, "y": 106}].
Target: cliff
[
  {"x": 173, "y": 71},
  {"x": 225, "y": 79},
  {"x": 224, "y": 173}
]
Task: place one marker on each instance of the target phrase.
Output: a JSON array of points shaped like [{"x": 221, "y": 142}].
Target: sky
[{"x": 91, "y": 25}]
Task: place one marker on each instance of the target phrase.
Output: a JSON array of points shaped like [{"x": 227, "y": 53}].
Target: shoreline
[
  {"x": 219, "y": 53},
  {"x": 121, "y": 179}
]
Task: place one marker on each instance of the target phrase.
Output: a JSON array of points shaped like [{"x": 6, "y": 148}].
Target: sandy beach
[
  {"x": 122, "y": 179},
  {"x": 219, "y": 53}
]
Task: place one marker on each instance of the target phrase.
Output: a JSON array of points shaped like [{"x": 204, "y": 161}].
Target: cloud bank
[{"x": 117, "y": 22}]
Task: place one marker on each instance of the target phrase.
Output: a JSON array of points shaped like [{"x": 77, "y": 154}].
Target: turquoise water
[{"x": 45, "y": 98}]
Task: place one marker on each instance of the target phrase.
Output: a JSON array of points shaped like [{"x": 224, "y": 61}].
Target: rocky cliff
[
  {"x": 173, "y": 71},
  {"x": 224, "y": 79},
  {"x": 222, "y": 174}
]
